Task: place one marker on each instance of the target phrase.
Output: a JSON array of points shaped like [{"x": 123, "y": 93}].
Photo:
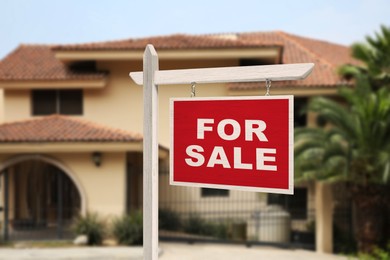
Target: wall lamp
[{"x": 97, "y": 158}]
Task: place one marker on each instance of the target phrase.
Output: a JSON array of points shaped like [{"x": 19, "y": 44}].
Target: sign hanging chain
[
  {"x": 267, "y": 86},
  {"x": 193, "y": 86}
]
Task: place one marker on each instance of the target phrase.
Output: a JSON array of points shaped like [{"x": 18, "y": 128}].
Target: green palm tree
[
  {"x": 374, "y": 56},
  {"x": 319, "y": 155},
  {"x": 355, "y": 147}
]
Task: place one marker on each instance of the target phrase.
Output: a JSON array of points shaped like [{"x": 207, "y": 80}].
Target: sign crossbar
[{"x": 279, "y": 72}]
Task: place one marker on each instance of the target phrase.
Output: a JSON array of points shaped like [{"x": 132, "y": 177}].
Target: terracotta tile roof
[
  {"x": 59, "y": 128},
  {"x": 37, "y": 62},
  {"x": 326, "y": 56}
]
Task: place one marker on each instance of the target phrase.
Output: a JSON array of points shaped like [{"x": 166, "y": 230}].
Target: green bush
[
  {"x": 343, "y": 242},
  {"x": 220, "y": 230},
  {"x": 376, "y": 254},
  {"x": 128, "y": 229},
  {"x": 92, "y": 226},
  {"x": 168, "y": 220},
  {"x": 197, "y": 225}
]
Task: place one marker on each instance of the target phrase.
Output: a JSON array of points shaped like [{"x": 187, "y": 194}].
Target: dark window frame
[
  {"x": 212, "y": 193},
  {"x": 57, "y": 101}
]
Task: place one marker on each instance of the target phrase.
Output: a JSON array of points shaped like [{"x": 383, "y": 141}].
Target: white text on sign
[{"x": 218, "y": 155}]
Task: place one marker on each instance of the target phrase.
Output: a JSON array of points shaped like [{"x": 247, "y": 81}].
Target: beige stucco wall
[
  {"x": 120, "y": 104},
  {"x": 1, "y": 107},
  {"x": 17, "y": 105},
  {"x": 105, "y": 185}
]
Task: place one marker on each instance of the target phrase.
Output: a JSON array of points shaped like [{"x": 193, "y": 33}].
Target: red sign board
[{"x": 243, "y": 143}]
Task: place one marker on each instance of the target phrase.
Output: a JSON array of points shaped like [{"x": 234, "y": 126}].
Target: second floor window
[{"x": 58, "y": 101}]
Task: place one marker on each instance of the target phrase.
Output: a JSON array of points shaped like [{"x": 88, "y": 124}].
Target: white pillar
[{"x": 324, "y": 217}]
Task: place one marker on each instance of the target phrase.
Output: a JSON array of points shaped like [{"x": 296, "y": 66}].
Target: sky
[{"x": 77, "y": 21}]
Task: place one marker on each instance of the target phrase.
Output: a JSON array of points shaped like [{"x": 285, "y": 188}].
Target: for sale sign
[{"x": 243, "y": 143}]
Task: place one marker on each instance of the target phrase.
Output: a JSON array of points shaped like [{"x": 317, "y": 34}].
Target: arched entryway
[{"x": 39, "y": 198}]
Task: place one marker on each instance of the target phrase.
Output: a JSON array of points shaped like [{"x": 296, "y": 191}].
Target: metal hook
[
  {"x": 193, "y": 85},
  {"x": 267, "y": 86}
]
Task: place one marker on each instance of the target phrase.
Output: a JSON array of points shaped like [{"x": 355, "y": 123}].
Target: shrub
[
  {"x": 168, "y": 220},
  {"x": 92, "y": 226},
  {"x": 197, "y": 225},
  {"x": 128, "y": 229},
  {"x": 376, "y": 254},
  {"x": 220, "y": 230}
]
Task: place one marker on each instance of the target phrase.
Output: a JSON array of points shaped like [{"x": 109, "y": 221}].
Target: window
[
  {"x": 63, "y": 101},
  {"x": 83, "y": 66},
  {"x": 252, "y": 62},
  {"x": 295, "y": 204},
  {"x": 207, "y": 192},
  {"x": 300, "y": 112}
]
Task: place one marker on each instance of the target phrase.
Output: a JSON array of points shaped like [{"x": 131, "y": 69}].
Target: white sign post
[
  {"x": 151, "y": 77},
  {"x": 150, "y": 156}
]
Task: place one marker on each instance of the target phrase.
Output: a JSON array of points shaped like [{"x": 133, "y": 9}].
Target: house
[{"x": 71, "y": 142}]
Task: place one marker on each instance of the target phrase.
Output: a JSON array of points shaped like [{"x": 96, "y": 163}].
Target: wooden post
[{"x": 150, "y": 178}]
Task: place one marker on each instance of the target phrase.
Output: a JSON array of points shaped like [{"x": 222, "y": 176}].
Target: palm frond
[{"x": 335, "y": 114}]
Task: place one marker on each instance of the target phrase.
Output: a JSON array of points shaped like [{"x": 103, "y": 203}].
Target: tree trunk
[{"x": 371, "y": 210}]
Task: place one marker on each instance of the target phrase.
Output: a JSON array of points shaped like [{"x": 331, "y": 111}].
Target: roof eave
[
  {"x": 180, "y": 54},
  {"x": 54, "y": 83},
  {"x": 72, "y": 147},
  {"x": 68, "y": 147}
]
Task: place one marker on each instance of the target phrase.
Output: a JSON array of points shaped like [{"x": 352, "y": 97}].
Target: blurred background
[{"x": 71, "y": 120}]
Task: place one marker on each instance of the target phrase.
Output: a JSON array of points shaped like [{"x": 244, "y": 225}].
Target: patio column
[
  {"x": 6, "y": 205},
  {"x": 59, "y": 205},
  {"x": 324, "y": 217}
]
